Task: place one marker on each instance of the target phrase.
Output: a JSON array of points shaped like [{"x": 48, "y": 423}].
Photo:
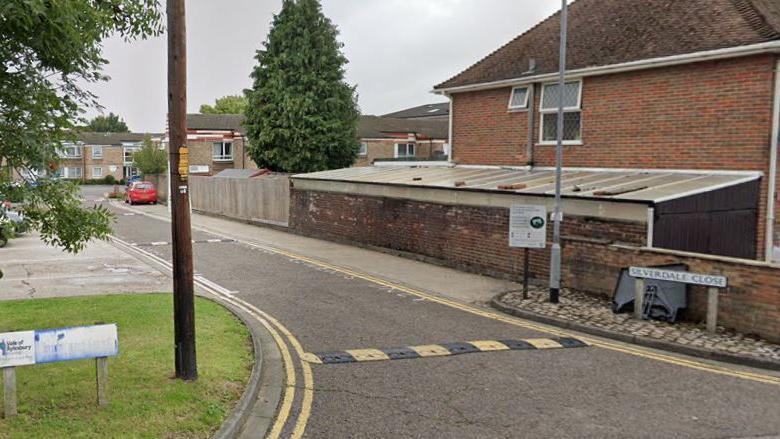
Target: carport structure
[{"x": 712, "y": 212}]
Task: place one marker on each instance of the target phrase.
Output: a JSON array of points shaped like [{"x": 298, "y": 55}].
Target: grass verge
[{"x": 59, "y": 399}]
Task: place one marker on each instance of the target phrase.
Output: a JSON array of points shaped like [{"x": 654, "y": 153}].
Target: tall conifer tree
[{"x": 302, "y": 115}]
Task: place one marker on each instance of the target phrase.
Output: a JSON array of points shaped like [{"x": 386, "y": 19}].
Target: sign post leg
[
  {"x": 526, "y": 264},
  {"x": 101, "y": 372},
  {"x": 712, "y": 309},
  {"x": 639, "y": 297},
  {"x": 9, "y": 392}
]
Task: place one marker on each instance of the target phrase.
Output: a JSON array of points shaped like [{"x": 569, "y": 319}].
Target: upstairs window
[
  {"x": 518, "y": 100},
  {"x": 363, "y": 150},
  {"x": 128, "y": 152},
  {"x": 404, "y": 150},
  {"x": 222, "y": 151},
  {"x": 97, "y": 152},
  {"x": 71, "y": 151},
  {"x": 572, "y": 113}
]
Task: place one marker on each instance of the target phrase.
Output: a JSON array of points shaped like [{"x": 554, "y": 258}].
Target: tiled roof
[
  {"x": 422, "y": 112},
  {"x": 91, "y": 138},
  {"x": 216, "y": 122},
  {"x": 376, "y": 127},
  {"x": 606, "y": 32}
]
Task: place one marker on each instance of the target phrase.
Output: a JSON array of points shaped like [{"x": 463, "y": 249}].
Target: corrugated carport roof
[{"x": 653, "y": 186}]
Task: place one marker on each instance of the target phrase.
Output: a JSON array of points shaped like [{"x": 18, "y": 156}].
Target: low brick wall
[{"x": 476, "y": 239}]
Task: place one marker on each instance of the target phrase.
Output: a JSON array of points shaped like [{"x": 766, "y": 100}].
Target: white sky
[{"x": 397, "y": 50}]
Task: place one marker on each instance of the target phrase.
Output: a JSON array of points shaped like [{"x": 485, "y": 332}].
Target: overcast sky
[{"x": 397, "y": 50}]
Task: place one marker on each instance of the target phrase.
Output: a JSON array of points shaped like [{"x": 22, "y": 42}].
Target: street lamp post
[{"x": 555, "y": 254}]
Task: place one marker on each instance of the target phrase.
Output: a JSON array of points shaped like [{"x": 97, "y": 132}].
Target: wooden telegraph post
[{"x": 181, "y": 233}]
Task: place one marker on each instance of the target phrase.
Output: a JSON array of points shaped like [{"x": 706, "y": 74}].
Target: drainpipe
[
  {"x": 772, "y": 186},
  {"x": 450, "y": 139},
  {"x": 529, "y": 154}
]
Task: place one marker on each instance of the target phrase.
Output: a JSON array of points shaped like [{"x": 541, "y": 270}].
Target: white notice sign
[
  {"x": 710, "y": 280},
  {"x": 17, "y": 348},
  {"x": 527, "y": 226}
]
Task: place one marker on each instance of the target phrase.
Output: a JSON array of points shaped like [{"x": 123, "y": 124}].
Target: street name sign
[
  {"x": 527, "y": 226},
  {"x": 709, "y": 280}
]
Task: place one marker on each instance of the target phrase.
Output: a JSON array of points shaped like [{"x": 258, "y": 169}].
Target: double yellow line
[
  {"x": 762, "y": 378},
  {"x": 635, "y": 351},
  {"x": 274, "y": 327}
]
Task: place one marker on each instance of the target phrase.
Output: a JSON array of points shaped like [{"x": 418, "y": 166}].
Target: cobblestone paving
[{"x": 597, "y": 312}]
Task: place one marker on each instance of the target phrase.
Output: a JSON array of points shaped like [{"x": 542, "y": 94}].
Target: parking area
[{"x": 32, "y": 269}]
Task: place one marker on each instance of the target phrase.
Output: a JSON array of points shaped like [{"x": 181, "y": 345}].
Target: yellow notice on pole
[{"x": 184, "y": 162}]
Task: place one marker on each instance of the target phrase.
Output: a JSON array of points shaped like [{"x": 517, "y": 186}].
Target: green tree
[
  {"x": 302, "y": 115},
  {"x": 107, "y": 124},
  {"x": 150, "y": 159},
  {"x": 232, "y": 104},
  {"x": 50, "y": 51}
]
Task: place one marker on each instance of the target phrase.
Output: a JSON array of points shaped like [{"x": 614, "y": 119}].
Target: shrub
[{"x": 109, "y": 179}]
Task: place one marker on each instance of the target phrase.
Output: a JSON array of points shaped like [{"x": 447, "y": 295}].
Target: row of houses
[{"x": 217, "y": 142}]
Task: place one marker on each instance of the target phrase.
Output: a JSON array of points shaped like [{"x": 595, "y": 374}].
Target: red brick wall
[
  {"x": 485, "y": 132},
  {"x": 709, "y": 115},
  {"x": 750, "y": 305},
  {"x": 476, "y": 239}
]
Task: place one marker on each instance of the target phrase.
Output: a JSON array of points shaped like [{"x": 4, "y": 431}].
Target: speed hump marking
[
  {"x": 440, "y": 350},
  {"x": 527, "y": 226}
]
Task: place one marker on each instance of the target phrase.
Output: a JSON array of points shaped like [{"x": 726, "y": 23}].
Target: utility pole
[
  {"x": 555, "y": 254},
  {"x": 181, "y": 233}
]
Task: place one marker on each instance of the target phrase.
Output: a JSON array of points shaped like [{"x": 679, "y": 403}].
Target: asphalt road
[{"x": 590, "y": 392}]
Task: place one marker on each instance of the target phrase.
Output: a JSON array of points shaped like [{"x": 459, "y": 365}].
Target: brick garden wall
[{"x": 476, "y": 239}]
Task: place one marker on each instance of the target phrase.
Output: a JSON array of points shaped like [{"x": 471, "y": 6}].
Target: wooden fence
[{"x": 263, "y": 199}]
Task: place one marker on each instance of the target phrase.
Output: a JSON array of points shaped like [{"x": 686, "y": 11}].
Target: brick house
[
  {"x": 384, "y": 138},
  {"x": 216, "y": 142},
  {"x": 687, "y": 85},
  {"x": 96, "y": 155},
  {"x": 671, "y": 133}
]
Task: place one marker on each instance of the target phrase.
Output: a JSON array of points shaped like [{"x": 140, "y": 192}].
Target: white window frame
[
  {"x": 95, "y": 153},
  {"x": 407, "y": 145},
  {"x": 68, "y": 175},
  {"x": 129, "y": 149},
  {"x": 363, "y": 149},
  {"x": 572, "y": 109},
  {"x": 78, "y": 149},
  {"x": 222, "y": 157},
  {"x": 524, "y": 106},
  {"x": 95, "y": 173}
]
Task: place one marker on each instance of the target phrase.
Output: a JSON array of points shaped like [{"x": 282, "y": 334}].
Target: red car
[{"x": 141, "y": 192}]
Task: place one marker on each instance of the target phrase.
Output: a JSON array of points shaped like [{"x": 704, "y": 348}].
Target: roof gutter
[
  {"x": 650, "y": 63},
  {"x": 772, "y": 184}
]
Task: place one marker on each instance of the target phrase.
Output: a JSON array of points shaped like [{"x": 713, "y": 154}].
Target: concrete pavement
[
  {"x": 333, "y": 298},
  {"x": 32, "y": 269}
]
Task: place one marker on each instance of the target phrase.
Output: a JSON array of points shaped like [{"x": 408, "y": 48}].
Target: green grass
[{"x": 59, "y": 400}]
